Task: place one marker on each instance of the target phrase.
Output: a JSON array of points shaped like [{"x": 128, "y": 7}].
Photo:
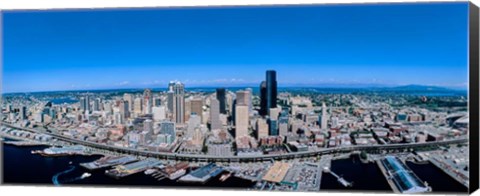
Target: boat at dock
[
  {"x": 225, "y": 177},
  {"x": 62, "y": 151},
  {"x": 149, "y": 171},
  {"x": 85, "y": 175}
]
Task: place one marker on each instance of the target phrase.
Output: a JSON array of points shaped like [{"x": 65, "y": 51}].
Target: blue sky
[{"x": 386, "y": 44}]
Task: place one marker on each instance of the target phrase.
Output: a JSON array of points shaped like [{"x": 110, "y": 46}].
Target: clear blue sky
[{"x": 389, "y": 44}]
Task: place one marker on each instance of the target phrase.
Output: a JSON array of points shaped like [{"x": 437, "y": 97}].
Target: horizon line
[{"x": 333, "y": 86}]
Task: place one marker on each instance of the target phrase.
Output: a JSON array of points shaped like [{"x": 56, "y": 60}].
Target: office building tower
[
  {"x": 243, "y": 97},
  {"x": 124, "y": 109},
  {"x": 157, "y": 102},
  {"x": 271, "y": 89},
  {"x": 170, "y": 101},
  {"x": 87, "y": 103},
  {"x": 117, "y": 118},
  {"x": 241, "y": 121},
  {"x": 164, "y": 139},
  {"x": 148, "y": 126},
  {"x": 83, "y": 107},
  {"x": 215, "y": 122},
  {"x": 23, "y": 113},
  {"x": 96, "y": 104},
  {"x": 283, "y": 123},
  {"x": 263, "y": 98},
  {"x": 262, "y": 128},
  {"x": 107, "y": 107},
  {"x": 188, "y": 109},
  {"x": 138, "y": 106},
  {"x": 170, "y": 85},
  {"x": 129, "y": 98},
  {"x": 324, "y": 117},
  {"x": 193, "y": 123},
  {"x": 273, "y": 127},
  {"x": 250, "y": 103},
  {"x": 179, "y": 102},
  {"x": 196, "y": 107},
  {"x": 147, "y": 101},
  {"x": 168, "y": 128},
  {"x": 159, "y": 113},
  {"x": 222, "y": 100}
]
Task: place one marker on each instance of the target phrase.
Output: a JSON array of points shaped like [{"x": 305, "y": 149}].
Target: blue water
[
  {"x": 21, "y": 167},
  {"x": 64, "y": 100}
]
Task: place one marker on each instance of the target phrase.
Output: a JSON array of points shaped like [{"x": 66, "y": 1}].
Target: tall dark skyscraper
[
  {"x": 222, "y": 100},
  {"x": 263, "y": 98},
  {"x": 268, "y": 92},
  {"x": 271, "y": 89}
]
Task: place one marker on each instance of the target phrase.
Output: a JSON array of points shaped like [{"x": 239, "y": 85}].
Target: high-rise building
[
  {"x": 157, "y": 102},
  {"x": 215, "y": 122},
  {"x": 83, "y": 106},
  {"x": 324, "y": 117},
  {"x": 107, "y": 107},
  {"x": 283, "y": 123},
  {"x": 138, "y": 106},
  {"x": 271, "y": 89},
  {"x": 159, "y": 113},
  {"x": 273, "y": 127},
  {"x": 148, "y": 126},
  {"x": 124, "y": 109},
  {"x": 87, "y": 103},
  {"x": 129, "y": 98},
  {"x": 243, "y": 97},
  {"x": 117, "y": 117},
  {"x": 196, "y": 107},
  {"x": 193, "y": 123},
  {"x": 241, "y": 121},
  {"x": 170, "y": 100},
  {"x": 167, "y": 127},
  {"x": 147, "y": 101},
  {"x": 170, "y": 85},
  {"x": 222, "y": 100},
  {"x": 263, "y": 98},
  {"x": 23, "y": 113},
  {"x": 179, "y": 102},
  {"x": 250, "y": 103},
  {"x": 188, "y": 109},
  {"x": 262, "y": 128},
  {"x": 96, "y": 104}
]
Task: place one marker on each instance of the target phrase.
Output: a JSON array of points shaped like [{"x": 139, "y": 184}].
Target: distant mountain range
[{"x": 353, "y": 87}]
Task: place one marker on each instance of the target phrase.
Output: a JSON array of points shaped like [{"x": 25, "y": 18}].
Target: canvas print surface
[{"x": 359, "y": 97}]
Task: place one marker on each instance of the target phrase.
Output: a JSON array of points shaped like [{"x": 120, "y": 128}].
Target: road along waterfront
[{"x": 249, "y": 158}]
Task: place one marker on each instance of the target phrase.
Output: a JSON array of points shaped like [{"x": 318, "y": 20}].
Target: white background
[{"x": 69, "y": 191}]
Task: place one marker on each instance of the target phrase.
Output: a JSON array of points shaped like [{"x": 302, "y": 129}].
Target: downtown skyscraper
[
  {"x": 222, "y": 99},
  {"x": 268, "y": 92},
  {"x": 179, "y": 102},
  {"x": 147, "y": 101}
]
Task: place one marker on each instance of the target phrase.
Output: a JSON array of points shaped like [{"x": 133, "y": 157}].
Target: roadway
[{"x": 211, "y": 158}]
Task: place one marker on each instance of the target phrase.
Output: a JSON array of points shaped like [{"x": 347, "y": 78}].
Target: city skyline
[{"x": 427, "y": 43}]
